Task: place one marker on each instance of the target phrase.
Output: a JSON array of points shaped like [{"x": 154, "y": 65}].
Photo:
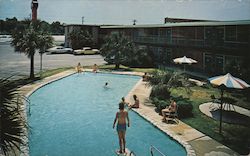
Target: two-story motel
[{"x": 214, "y": 44}]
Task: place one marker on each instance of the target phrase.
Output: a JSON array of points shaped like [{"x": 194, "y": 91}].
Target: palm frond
[{"x": 12, "y": 123}]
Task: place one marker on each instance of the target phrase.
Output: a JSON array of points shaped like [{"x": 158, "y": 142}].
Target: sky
[{"x": 124, "y": 11}]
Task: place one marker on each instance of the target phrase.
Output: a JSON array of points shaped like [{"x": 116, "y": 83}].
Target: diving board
[{"x": 127, "y": 153}]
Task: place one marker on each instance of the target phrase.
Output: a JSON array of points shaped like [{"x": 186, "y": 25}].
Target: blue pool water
[{"x": 74, "y": 117}]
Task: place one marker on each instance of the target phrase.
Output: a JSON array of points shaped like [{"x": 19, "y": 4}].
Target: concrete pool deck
[{"x": 195, "y": 142}]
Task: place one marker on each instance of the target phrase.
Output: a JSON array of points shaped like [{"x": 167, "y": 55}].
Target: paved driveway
[{"x": 12, "y": 63}]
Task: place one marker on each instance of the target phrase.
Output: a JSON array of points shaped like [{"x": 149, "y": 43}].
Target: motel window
[
  {"x": 169, "y": 33},
  {"x": 214, "y": 35},
  {"x": 219, "y": 63},
  {"x": 136, "y": 32},
  {"x": 182, "y": 32},
  {"x": 160, "y": 54},
  {"x": 200, "y": 33},
  {"x": 230, "y": 33},
  {"x": 141, "y": 32},
  {"x": 162, "y": 32},
  {"x": 168, "y": 59},
  {"x": 190, "y": 33},
  {"x": 243, "y": 33},
  {"x": 175, "y": 32},
  {"x": 208, "y": 62}
]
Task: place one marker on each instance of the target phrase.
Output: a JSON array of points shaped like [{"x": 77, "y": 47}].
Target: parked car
[
  {"x": 86, "y": 51},
  {"x": 96, "y": 51},
  {"x": 59, "y": 50}
]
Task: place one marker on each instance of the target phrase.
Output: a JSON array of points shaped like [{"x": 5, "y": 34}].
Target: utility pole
[
  {"x": 134, "y": 22},
  {"x": 82, "y": 19}
]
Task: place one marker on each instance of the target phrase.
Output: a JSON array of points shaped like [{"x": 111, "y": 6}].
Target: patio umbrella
[
  {"x": 184, "y": 60},
  {"x": 227, "y": 81}
]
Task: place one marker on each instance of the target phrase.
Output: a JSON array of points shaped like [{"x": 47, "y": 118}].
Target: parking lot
[{"x": 18, "y": 64}]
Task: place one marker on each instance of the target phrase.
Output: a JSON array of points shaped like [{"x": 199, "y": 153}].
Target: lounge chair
[{"x": 172, "y": 115}]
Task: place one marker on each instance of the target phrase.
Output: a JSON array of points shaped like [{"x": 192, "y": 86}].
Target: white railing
[{"x": 153, "y": 148}]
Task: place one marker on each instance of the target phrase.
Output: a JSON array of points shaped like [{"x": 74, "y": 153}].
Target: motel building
[{"x": 214, "y": 44}]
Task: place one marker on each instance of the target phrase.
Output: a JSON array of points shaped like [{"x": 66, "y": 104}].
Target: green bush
[
  {"x": 160, "y": 104},
  {"x": 160, "y": 91},
  {"x": 184, "y": 109}
]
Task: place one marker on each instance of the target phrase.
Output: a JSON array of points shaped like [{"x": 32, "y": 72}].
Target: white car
[
  {"x": 96, "y": 51},
  {"x": 59, "y": 50},
  {"x": 86, "y": 51}
]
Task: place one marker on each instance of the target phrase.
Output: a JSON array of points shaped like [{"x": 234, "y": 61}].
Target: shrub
[
  {"x": 160, "y": 91},
  {"x": 184, "y": 109},
  {"x": 159, "y": 104}
]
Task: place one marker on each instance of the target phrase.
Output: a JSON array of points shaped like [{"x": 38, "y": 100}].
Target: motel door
[
  {"x": 169, "y": 35},
  {"x": 219, "y": 61},
  {"x": 213, "y": 64},
  {"x": 208, "y": 67}
]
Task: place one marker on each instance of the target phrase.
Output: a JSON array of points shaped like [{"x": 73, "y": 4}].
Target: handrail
[
  {"x": 156, "y": 149},
  {"x": 132, "y": 152}
]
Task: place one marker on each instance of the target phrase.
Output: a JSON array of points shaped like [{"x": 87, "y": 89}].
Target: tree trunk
[
  {"x": 221, "y": 110},
  {"x": 32, "y": 66},
  {"x": 117, "y": 65},
  {"x": 41, "y": 62}
]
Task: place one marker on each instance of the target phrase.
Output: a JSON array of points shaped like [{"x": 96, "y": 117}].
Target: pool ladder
[
  {"x": 132, "y": 153},
  {"x": 153, "y": 148}
]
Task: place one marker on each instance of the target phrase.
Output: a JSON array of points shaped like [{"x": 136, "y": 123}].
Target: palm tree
[
  {"x": 28, "y": 41},
  {"x": 13, "y": 126},
  {"x": 143, "y": 57},
  {"x": 169, "y": 80},
  {"x": 45, "y": 42},
  {"x": 117, "y": 49}
]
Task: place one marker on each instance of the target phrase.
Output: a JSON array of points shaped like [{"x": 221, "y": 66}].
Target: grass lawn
[
  {"x": 51, "y": 72},
  {"x": 38, "y": 76},
  {"x": 237, "y": 137}
]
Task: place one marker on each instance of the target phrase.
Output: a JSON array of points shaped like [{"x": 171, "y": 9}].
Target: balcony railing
[{"x": 176, "y": 41}]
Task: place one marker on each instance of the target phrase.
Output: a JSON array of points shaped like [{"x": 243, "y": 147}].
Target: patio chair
[{"x": 173, "y": 116}]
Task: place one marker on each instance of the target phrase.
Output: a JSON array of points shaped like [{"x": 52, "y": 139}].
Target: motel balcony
[{"x": 176, "y": 41}]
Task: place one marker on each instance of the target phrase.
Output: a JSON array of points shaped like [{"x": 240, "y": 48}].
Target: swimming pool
[{"x": 74, "y": 116}]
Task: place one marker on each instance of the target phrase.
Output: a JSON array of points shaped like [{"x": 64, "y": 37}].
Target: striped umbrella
[
  {"x": 227, "y": 81},
  {"x": 184, "y": 60}
]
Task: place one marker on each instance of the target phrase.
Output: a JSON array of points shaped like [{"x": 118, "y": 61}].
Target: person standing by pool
[
  {"x": 126, "y": 104},
  {"x": 79, "y": 68},
  {"x": 95, "y": 68},
  {"x": 121, "y": 116}
]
